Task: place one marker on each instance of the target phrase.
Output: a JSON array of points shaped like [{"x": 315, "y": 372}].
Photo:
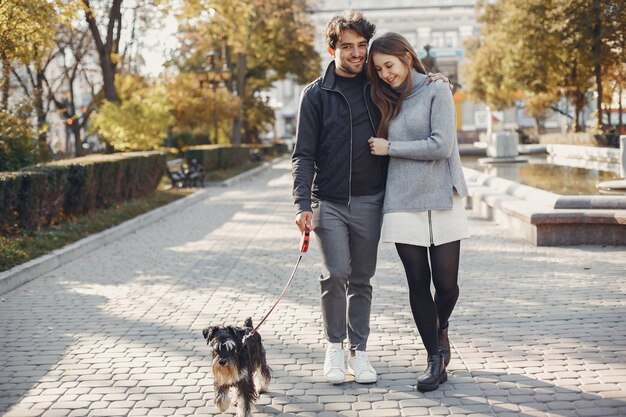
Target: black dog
[{"x": 237, "y": 364}]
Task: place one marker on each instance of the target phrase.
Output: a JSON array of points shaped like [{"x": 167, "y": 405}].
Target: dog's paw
[
  {"x": 222, "y": 401},
  {"x": 242, "y": 413}
]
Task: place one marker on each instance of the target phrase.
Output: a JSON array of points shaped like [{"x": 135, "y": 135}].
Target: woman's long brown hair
[{"x": 385, "y": 97}]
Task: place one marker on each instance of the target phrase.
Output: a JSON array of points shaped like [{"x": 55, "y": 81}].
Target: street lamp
[{"x": 214, "y": 77}]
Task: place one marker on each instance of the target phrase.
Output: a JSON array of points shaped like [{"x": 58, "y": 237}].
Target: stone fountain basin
[{"x": 544, "y": 218}]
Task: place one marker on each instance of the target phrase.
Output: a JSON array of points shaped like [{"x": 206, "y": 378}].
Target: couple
[{"x": 364, "y": 148}]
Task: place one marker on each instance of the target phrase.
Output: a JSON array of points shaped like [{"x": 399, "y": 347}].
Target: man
[{"x": 339, "y": 189}]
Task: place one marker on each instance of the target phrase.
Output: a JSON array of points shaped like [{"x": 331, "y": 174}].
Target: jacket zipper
[
  {"x": 350, "y": 173},
  {"x": 350, "y": 177},
  {"x": 368, "y": 107},
  {"x": 369, "y": 114},
  {"x": 430, "y": 228}
]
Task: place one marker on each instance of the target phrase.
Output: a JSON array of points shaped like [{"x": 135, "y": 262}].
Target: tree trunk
[
  {"x": 108, "y": 78},
  {"x": 537, "y": 125},
  {"x": 105, "y": 49},
  {"x": 597, "y": 57},
  {"x": 78, "y": 142},
  {"x": 41, "y": 114},
  {"x": 42, "y": 135},
  {"x": 620, "y": 125},
  {"x": 241, "y": 84},
  {"x": 6, "y": 85},
  {"x": 247, "y": 135},
  {"x": 579, "y": 104}
]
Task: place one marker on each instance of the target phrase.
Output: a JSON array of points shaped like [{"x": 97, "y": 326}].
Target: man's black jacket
[{"x": 322, "y": 156}]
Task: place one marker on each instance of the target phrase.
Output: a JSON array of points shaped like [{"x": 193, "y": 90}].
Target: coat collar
[
  {"x": 329, "y": 79},
  {"x": 419, "y": 79}
]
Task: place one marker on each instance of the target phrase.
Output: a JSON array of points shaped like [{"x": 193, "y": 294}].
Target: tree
[
  {"x": 487, "y": 78},
  {"x": 74, "y": 45},
  {"x": 270, "y": 39},
  {"x": 31, "y": 78},
  {"x": 107, "y": 46},
  {"x": 614, "y": 48},
  {"x": 588, "y": 32},
  {"x": 108, "y": 38},
  {"x": 544, "y": 48},
  {"x": 139, "y": 121},
  {"x": 27, "y": 31},
  {"x": 199, "y": 109},
  {"x": 16, "y": 143},
  {"x": 21, "y": 20}
]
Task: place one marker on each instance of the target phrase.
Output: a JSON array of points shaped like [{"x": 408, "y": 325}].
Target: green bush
[
  {"x": 25, "y": 201},
  {"x": 42, "y": 194},
  {"x": 10, "y": 187},
  {"x": 214, "y": 157},
  {"x": 280, "y": 148},
  {"x": 17, "y": 143},
  {"x": 607, "y": 139},
  {"x": 218, "y": 156},
  {"x": 140, "y": 120},
  {"x": 181, "y": 140}
]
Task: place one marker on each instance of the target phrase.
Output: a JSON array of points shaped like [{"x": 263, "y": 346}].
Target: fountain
[
  {"x": 502, "y": 146},
  {"x": 542, "y": 217},
  {"x": 617, "y": 187}
]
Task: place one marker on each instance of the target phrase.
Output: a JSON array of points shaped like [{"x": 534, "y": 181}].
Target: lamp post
[{"x": 214, "y": 78}]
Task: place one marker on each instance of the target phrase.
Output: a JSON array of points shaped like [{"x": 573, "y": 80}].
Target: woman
[{"x": 423, "y": 211}]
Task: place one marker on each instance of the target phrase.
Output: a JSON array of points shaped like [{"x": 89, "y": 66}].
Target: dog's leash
[{"x": 304, "y": 246}]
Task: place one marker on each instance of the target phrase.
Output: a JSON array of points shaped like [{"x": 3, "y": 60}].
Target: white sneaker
[
  {"x": 334, "y": 364},
  {"x": 361, "y": 368}
]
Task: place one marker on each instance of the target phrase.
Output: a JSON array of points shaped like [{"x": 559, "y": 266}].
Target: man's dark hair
[{"x": 349, "y": 20}]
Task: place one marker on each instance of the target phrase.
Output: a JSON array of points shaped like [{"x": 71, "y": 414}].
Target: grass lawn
[{"x": 26, "y": 245}]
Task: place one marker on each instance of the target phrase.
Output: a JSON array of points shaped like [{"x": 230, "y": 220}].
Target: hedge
[
  {"x": 42, "y": 194},
  {"x": 217, "y": 156},
  {"x": 225, "y": 156}
]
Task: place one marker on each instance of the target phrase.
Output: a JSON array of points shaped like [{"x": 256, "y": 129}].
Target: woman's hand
[{"x": 379, "y": 146}]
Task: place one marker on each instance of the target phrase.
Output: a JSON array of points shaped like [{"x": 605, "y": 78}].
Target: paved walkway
[{"x": 537, "y": 331}]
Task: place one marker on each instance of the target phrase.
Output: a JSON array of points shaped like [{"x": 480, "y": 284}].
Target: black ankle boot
[
  {"x": 435, "y": 374},
  {"x": 444, "y": 345}
]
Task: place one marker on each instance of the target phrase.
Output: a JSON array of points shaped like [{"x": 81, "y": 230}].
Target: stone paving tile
[{"x": 537, "y": 331}]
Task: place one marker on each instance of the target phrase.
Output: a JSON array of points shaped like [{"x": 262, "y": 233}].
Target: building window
[
  {"x": 436, "y": 39},
  {"x": 451, "y": 39},
  {"x": 412, "y": 38},
  {"x": 447, "y": 39},
  {"x": 290, "y": 126}
]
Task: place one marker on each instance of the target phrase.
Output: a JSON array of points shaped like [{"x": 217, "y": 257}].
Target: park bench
[{"x": 184, "y": 175}]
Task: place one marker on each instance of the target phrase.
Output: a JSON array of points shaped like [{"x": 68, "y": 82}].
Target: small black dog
[{"x": 237, "y": 364}]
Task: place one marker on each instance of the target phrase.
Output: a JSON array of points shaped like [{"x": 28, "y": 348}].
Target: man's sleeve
[{"x": 303, "y": 158}]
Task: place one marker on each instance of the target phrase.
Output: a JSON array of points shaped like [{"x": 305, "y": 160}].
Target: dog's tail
[{"x": 248, "y": 323}]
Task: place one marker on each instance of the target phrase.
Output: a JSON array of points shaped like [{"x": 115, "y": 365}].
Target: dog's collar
[{"x": 245, "y": 337}]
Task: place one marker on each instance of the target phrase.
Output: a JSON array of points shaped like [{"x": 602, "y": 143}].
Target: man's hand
[
  {"x": 438, "y": 76},
  {"x": 304, "y": 218},
  {"x": 379, "y": 146}
]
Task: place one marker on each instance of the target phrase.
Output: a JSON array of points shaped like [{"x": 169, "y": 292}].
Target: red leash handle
[{"x": 304, "y": 240}]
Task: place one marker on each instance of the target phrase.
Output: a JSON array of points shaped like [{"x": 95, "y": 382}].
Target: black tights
[{"x": 444, "y": 261}]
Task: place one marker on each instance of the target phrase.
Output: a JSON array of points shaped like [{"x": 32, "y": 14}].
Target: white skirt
[{"x": 415, "y": 228}]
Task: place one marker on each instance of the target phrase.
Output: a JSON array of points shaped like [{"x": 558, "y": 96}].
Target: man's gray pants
[{"x": 348, "y": 238}]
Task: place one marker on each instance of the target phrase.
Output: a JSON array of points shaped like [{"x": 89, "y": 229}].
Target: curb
[{"x": 21, "y": 274}]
